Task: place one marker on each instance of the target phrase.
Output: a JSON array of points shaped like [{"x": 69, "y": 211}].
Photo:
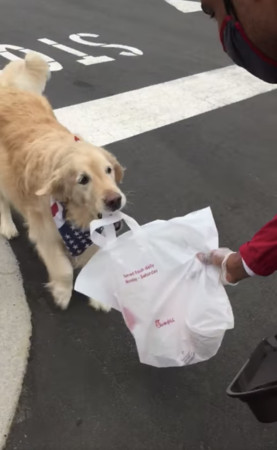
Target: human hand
[{"x": 229, "y": 262}]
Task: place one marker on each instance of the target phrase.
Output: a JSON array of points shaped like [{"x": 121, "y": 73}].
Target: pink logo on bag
[{"x": 160, "y": 324}]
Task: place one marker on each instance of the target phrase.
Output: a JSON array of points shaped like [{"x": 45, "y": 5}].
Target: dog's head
[{"x": 86, "y": 181}]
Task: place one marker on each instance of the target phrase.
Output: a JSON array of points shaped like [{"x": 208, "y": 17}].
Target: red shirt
[{"x": 260, "y": 254}]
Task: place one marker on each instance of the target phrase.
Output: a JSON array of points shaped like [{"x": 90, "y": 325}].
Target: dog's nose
[{"x": 113, "y": 201}]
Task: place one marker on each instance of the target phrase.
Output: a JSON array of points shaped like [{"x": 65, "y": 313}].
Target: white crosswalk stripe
[
  {"x": 122, "y": 116},
  {"x": 185, "y": 6}
]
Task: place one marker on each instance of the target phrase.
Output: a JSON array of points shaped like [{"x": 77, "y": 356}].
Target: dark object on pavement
[{"x": 256, "y": 382}]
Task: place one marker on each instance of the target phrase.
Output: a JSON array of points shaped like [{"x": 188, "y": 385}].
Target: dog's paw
[
  {"x": 98, "y": 306},
  {"x": 8, "y": 229},
  {"x": 61, "y": 292}
]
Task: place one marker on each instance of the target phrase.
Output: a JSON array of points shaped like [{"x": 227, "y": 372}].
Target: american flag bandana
[{"x": 75, "y": 239}]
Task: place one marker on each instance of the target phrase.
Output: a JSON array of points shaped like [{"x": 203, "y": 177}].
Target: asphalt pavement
[{"x": 84, "y": 388}]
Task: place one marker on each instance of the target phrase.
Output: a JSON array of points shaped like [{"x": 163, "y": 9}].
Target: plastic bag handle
[{"x": 107, "y": 223}]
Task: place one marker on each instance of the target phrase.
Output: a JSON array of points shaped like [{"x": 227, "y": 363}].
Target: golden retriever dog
[
  {"x": 40, "y": 160},
  {"x": 30, "y": 74}
]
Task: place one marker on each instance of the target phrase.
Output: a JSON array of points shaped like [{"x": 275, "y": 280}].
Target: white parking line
[
  {"x": 185, "y": 6},
  {"x": 15, "y": 332},
  {"x": 131, "y": 113}
]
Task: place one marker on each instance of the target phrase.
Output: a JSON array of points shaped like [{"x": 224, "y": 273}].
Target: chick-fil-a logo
[{"x": 160, "y": 324}]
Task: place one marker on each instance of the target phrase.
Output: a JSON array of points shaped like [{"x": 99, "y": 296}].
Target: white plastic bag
[{"x": 175, "y": 307}]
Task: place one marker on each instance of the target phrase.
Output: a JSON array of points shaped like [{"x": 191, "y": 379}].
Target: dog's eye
[
  {"x": 109, "y": 170},
  {"x": 83, "y": 179}
]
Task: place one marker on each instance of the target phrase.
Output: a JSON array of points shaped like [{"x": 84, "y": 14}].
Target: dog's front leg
[
  {"x": 7, "y": 226},
  {"x": 43, "y": 232}
]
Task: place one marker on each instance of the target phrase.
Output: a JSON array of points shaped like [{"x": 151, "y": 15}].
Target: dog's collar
[{"x": 76, "y": 138}]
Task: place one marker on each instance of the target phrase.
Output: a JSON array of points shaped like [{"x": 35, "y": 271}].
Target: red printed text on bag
[{"x": 140, "y": 274}]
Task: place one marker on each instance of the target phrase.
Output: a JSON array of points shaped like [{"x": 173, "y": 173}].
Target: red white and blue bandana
[{"x": 75, "y": 239}]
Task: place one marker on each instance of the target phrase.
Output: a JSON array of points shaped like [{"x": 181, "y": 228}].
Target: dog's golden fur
[{"x": 40, "y": 160}]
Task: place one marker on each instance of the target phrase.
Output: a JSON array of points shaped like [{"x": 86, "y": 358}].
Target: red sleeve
[{"x": 260, "y": 254}]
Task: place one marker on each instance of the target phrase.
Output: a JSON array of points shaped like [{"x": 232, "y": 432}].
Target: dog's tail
[
  {"x": 30, "y": 74},
  {"x": 36, "y": 64}
]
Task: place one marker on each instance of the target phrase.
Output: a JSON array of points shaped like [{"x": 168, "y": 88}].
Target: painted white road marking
[
  {"x": 131, "y": 113},
  {"x": 65, "y": 48},
  {"x": 185, "y": 6},
  {"x": 127, "y": 49},
  {"x": 53, "y": 65},
  {"x": 15, "y": 333},
  {"x": 87, "y": 60}
]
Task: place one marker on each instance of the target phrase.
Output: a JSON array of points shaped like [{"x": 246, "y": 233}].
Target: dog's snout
[{"x": 113, "y": 201}]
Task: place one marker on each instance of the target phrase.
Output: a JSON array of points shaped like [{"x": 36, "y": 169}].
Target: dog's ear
[
  {"x": 118, "y": 169},
  {"x": 42, "y": 191},
  {"x": 46, "y": 189}
]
